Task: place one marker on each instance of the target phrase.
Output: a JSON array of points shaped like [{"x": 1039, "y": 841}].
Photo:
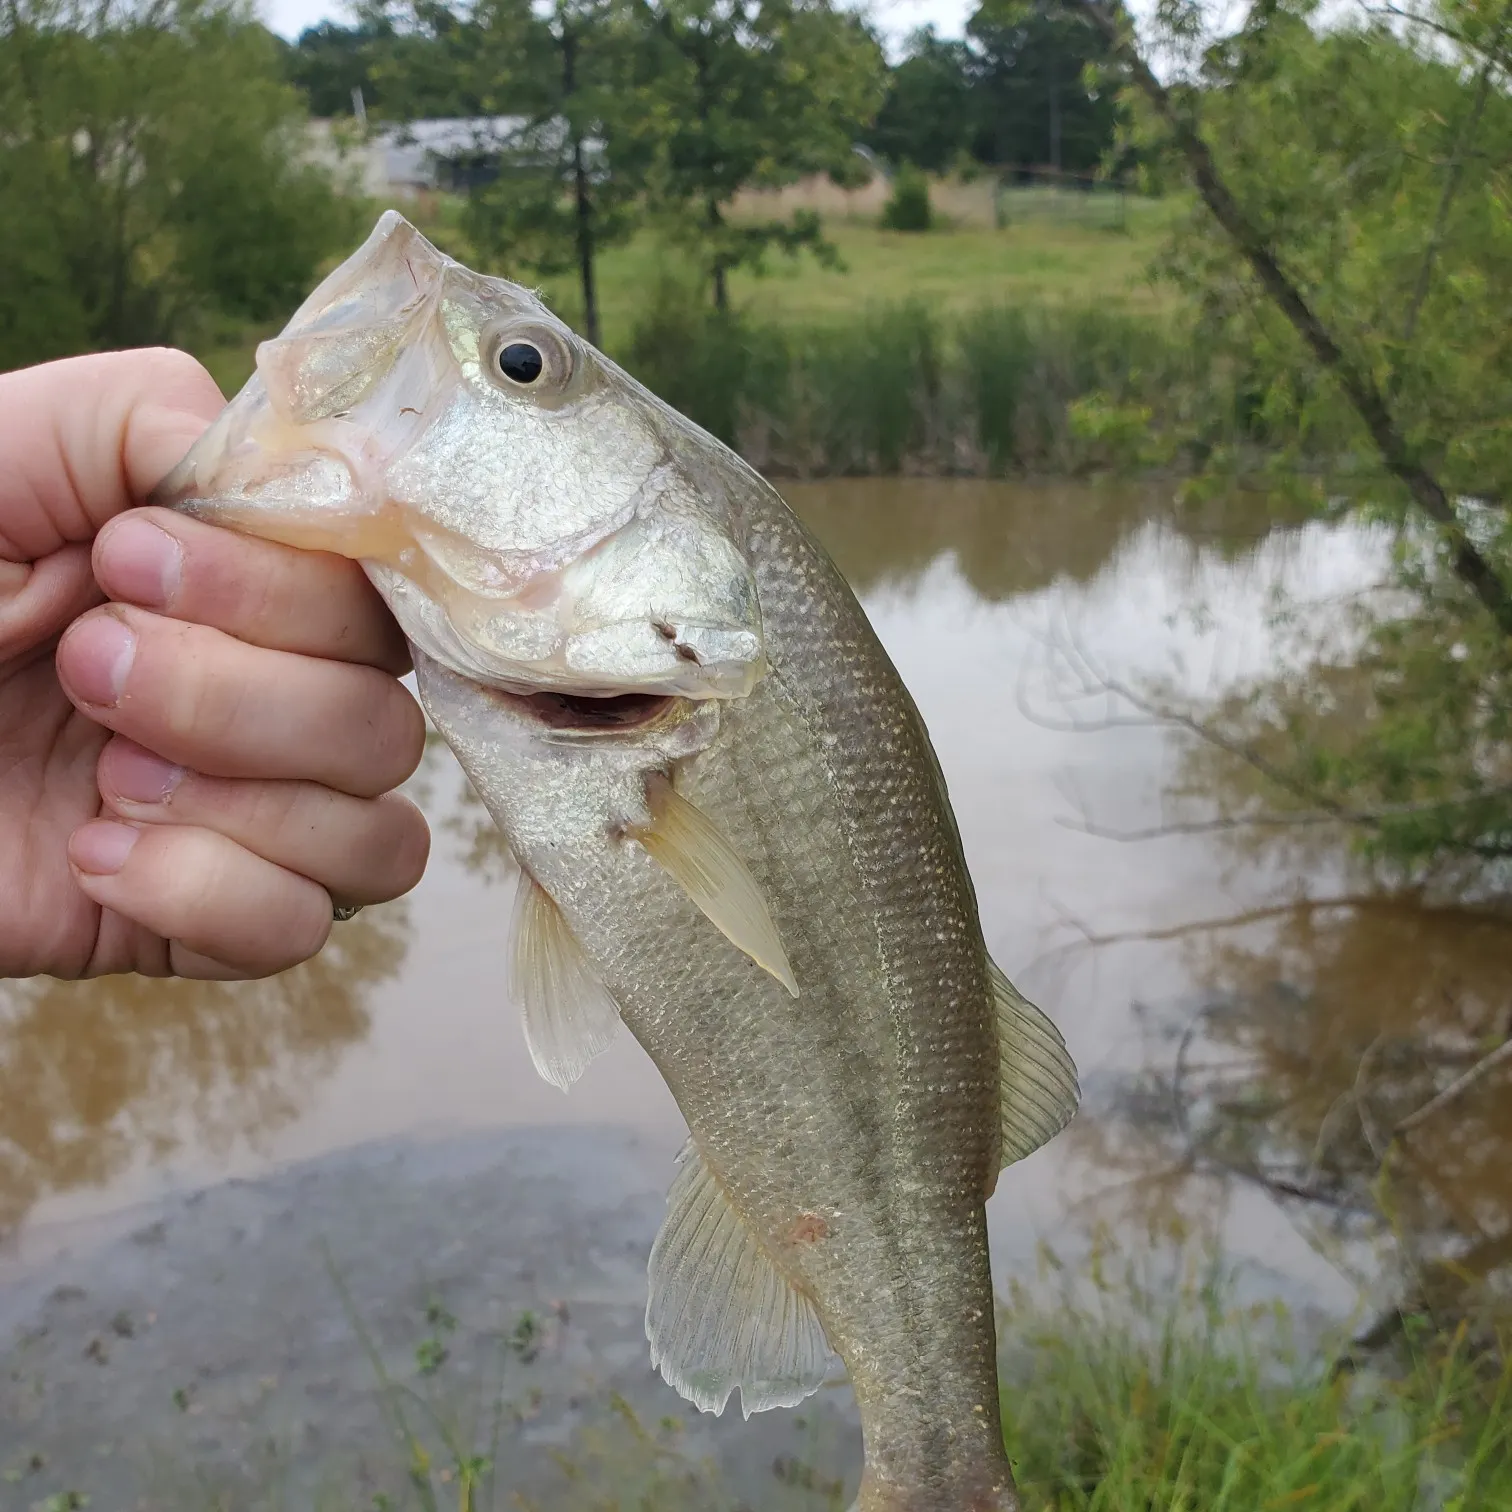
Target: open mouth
[{"x": 574, "y": 711}]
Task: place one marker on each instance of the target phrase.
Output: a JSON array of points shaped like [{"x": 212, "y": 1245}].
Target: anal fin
[
  {"x": 569, "y": 1016},
  {"x": 1037, "y": 1076},
  {"x": 721, "y": 1317}
]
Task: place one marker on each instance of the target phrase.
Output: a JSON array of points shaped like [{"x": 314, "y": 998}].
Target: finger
[
  {"x": 87, "y": 437},
  {"x": 361, "y": 850},
  {"x": 204, "y": 892},
  {"x": 260, "y": 592},
  {"x": 205, "y": 700},
  {"x": 38, "y": 600}
]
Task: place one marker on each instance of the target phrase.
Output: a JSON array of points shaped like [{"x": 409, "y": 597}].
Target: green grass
[
  {"x": 1130, "y": 1404},
  {"x": 1034, "y": 262}
]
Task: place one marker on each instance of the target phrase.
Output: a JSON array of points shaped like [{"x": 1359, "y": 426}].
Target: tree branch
[
  {"x": 1456, "y": 1089},
  {"x": 1111, "y": 18},
  {"x": 1371, "y": 818}
]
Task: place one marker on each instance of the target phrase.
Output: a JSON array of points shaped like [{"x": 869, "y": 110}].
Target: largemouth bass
[{"x": 733, "y": 835}]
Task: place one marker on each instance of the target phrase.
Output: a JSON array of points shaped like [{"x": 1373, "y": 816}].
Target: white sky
[{"x": 895, "y": 18}]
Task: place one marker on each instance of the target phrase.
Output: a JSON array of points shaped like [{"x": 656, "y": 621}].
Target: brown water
[{"x": 1252, "y": 1030}]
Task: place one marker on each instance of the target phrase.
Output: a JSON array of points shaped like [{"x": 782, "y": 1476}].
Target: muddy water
[{"x": 1219, "y": 997}]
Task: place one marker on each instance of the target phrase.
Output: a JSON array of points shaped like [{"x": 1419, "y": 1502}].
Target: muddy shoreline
[{"x": 247, "y": 1345}]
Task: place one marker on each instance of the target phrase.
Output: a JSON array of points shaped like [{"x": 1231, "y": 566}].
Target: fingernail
[
  {"x": 142, "y": 562},
  {"x": 99, "y": 654},
  {"x": 139, "y": 775},
  {"x": 101, "y": 847}
]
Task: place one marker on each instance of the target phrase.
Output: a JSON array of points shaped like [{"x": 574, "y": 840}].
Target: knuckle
[
  {"x": 277, "y": 811},
  {"x": 173, "y": 372},
  {"x": 181, "y": 689}
]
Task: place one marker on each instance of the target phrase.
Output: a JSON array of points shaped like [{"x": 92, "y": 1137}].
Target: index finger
[{"x": 87, "y": 437}]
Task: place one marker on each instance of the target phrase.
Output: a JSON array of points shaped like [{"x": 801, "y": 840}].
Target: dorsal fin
[
  {"x": 721, "y": 1317},
  {"x": 688, "y": 845},
  {"x": 1037, "y": 1076},
  {"x": 569, "y": 1015}
]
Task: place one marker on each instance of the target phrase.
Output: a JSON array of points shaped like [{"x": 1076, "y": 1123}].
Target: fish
[{"x": 733, "y": 834}]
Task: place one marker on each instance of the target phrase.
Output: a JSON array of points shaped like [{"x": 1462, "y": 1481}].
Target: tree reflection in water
[
  {"x": 1311, "y": 1069},
  {"x": 95, "y": 1076}
]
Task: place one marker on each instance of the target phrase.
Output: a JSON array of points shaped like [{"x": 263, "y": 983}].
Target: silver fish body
[{"x": 734, "y": 839}]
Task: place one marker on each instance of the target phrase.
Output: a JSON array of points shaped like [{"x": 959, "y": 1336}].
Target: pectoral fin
[
  {"x": 569, "y": 1015},
  {"x": 721, "y": 1316},
  {"x": 687, "y": 844},
  {"x": 1037, "y": 1074}
]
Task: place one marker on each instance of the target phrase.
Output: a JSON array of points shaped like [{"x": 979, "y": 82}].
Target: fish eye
[
  {"x": 535, "y": 358},
  {"x": 521, "y": 362}
]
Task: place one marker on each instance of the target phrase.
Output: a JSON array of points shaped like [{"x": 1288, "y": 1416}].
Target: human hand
[{"x": 206, "y": 763}]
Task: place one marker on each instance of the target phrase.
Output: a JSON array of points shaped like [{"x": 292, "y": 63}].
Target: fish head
[{"x": 534, "y": 518}]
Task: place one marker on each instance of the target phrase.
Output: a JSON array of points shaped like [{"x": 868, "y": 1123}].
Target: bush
[{"x": 909, "y": 208}]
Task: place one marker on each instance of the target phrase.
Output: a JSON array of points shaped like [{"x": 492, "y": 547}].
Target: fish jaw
[{"x": 527, "y": 540}]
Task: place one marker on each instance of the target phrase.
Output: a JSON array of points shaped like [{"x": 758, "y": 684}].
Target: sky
[{"x": 895, "y": 18}]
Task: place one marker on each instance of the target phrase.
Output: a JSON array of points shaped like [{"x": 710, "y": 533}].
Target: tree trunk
[
  {"x": 721, "y": 288},
  {"x": 581, "y": 193},
  {"x": 585, "y": 244}
]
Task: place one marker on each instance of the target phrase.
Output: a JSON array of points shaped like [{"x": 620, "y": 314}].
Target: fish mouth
[{"x": 584, "y": 715}]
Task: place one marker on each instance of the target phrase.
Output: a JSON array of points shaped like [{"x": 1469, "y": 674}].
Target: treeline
[
  {"x": 1018, "y": 91},
  {"x": 153, "y": 176}
]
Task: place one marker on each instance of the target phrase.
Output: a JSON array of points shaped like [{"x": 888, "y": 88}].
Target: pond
[{"x": 263, "y": 1239}]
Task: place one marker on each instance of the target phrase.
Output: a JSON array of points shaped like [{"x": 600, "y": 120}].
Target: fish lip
[{"x": 574, "y": 716}]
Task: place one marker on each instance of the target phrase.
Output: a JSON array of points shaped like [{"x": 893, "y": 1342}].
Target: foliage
[
  {"x": 1372, "y": 165},
  {"x": 151, "y": 175},
  {"x": 1038, "y": 100},
  {"x": 926, "y": 114},
  {"x": 908, "y": 208},
  {"x": 556, "y": 176},
  {"x": 1145, "y": 1398},
  {"x": 330, "y": 61},
  {"x": 751, "y": 93},
  {"x": 901, "y": 387}
]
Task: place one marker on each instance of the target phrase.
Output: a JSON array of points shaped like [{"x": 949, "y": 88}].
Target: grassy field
[
  {"x": 1055, "y": 250},
  {"x": 1036, "y": 260}
]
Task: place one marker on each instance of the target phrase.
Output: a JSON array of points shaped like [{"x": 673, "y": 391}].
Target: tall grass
[
  {"x": 906, "y": 387},
  {"x": 1131, "y": 1403}
]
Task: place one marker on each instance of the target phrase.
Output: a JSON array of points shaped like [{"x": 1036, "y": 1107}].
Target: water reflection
[
  {"x": 1010, "y": 540},
  {"x": 99, "y": 1076},
  {"x": 1342, "y": 1057}
]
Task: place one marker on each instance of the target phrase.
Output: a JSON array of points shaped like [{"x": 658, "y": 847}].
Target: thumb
[{"x": 84, "y": 438}]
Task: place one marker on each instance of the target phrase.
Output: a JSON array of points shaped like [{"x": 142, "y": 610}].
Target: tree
[
  {"x": 1349, "y": 262},
  {"x": 152, "y": 173},
  {"x": 925, "y": 117},
  {"x": 740, "y": 93},
  {"x": 1034, "y": 103},
  {"x": 329, "y": 63},
  {"x": 569, "y": 180}
]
